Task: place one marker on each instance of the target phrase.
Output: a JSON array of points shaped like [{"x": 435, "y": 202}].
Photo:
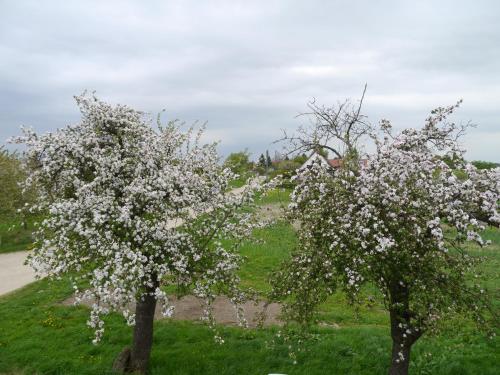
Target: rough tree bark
[
  {"x": 136, "y": 358},
  {"x": 402, "y": 340},
  {"x": 399, "y": 366},
  {"x": 143, "y": 333}
]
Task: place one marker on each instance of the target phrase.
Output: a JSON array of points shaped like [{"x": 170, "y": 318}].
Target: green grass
[
  {"x": 40, "y": 336},
  {"x": 262, "y": 258},
  {"x": 13, "y": 236},
  {"x": 241, "y": 180},
  {"x": 277, "y": 196}
]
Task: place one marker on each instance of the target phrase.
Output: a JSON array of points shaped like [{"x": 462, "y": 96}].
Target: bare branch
[{"x": 337, "y": 128}]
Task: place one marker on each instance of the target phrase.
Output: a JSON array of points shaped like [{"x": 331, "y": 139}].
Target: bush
[
  {"x": 239, "y": 162},
  {"x": 480, "y": 164},
  {"x": 12, "y": 197}
]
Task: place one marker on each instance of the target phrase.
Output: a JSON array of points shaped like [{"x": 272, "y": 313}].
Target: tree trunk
[
  {"x": 403, "y": 333},
  {"x": 136, "y": 358},
  {"x": 399, "y": 365},
  {"x": 143, "y": 333}
]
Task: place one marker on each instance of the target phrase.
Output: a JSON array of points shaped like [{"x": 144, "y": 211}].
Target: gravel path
[{"x": 13, "y": 273}]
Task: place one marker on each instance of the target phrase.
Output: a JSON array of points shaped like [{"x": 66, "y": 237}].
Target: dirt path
[
  {"x": 191, "y": 308},
  {"x": 13, "y": 274}
]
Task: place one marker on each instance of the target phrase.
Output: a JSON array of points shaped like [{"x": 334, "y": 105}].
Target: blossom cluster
[{"x": 130, "y": 207}]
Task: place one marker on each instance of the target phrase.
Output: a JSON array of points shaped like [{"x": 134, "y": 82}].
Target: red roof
[{"x": 337, "y": 163}]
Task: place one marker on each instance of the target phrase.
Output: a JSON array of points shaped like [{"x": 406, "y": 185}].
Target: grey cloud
[{"x": 250, "y": 67}]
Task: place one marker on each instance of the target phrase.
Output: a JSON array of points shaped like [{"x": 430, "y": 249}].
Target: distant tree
[
  {"x": 262, "y": 161},
  {"x": 278, "y": 156},
  {"x": 479, "y": 164},
  {"x": 269, "y": 162},
  {"x": 301, "y": 159},
  {"x": 12, "y": 196},
  {"x": 10, "y": 176},
  {"x": 322, "y": 151},
  {"x": 286, "y": 169},
  {"x": 287, "y": 165},
  {"x": 131, "y": 209},
  {"x": 239, "y": 162}
]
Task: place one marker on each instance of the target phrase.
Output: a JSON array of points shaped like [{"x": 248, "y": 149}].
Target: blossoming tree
[
  {"x": 130, "y": 208},
  {"x": 398, "y": 223}
]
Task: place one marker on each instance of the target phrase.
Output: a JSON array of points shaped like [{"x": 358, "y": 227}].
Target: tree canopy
[{"x": 399, "y": 223}]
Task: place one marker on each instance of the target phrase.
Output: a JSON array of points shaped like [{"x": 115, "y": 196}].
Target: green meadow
[{"x": 38, "y": 335}]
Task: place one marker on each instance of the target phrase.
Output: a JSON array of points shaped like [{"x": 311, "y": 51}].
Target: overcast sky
[{"x": 248, "y": 67}]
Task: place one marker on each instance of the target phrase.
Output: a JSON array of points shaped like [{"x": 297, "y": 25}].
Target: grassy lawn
[
  {"x": 241, "y": 180},
  {"x": 278, "y": 196},
  {"x": 40, "y": 336}
]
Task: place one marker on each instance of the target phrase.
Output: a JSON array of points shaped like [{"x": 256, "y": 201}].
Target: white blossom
[{"x": 130, "y": 207}]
